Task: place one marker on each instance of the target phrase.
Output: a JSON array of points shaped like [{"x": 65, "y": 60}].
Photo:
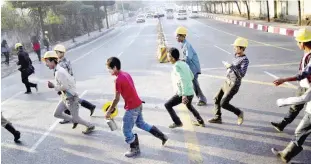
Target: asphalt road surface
[{"x": 44, "y": 141}]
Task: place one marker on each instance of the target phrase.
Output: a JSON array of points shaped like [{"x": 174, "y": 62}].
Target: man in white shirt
[{"x": 65, "y": 83}]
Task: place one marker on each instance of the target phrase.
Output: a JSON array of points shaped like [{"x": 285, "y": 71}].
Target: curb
[{"x": 260, "y": 27}]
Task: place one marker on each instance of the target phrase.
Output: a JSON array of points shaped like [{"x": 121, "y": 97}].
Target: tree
[
  {"x": 36, "y": 6},
  {"x": 248, "y": 10},
  {"x": 299, "y": 13},
  {"x": 268, "y": 10},
  {"x": 87, "y": 11},
  {"x": 9, "y": 17}
]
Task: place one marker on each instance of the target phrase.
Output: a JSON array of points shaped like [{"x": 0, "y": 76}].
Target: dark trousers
[
  {"x": 176, "y": 100},
  {"x": 223, "y": 97},
  {"x": 28, "y": 84},
  {"x": 303, "y": 130},
  {"x": 7, "y": 57},
  {"x": 294, "y": 109},
  {"x": 39, "y": 54}
]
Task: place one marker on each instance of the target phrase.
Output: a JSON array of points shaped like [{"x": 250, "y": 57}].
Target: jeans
[
  {"x": 131, "y": 117},
  {"x": 223, "y": 97},
  {"x": 197, "y": 89},
  {"x": 176, "y": 100},
  {"x": 303, "y": 130}
]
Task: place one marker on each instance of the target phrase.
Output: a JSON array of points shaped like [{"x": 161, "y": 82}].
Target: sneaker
[
  {"x": 277, "y": 126},
  {"x": 89, "y": 130},
  {"x": 64, "y": 122},
  {"x": 175, "y": 126},
  {"x": 196, "y": 123},
  {"x": 201, "y": 103},
  {"x": 28, "y": 92},
  {"x": 241, "y": 118},
  {"x": 216, "y": 120},
  {"x": 92, "y": 110},
  {"x": 17, "y": 136},
  {"x": 36, "y": 87}
]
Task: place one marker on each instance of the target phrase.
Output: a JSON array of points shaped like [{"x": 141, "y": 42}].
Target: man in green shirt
[{"x": 182, "y": 78}]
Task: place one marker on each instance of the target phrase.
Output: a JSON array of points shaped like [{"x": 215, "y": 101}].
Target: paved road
[{"x": 46, "y": 141}]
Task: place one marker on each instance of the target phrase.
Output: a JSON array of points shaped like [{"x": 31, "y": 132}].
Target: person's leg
[
  {"x": 39, "y": 55},
  {"x": 217, "y": 108},
  {"x": 7, "y": 58},
  {"x": 86, "y": 104},
  {"x": 195, "y": 113},
  {"x": 8, "y": 126},
  {"x": 140, "y": 123},
  {"x": 302, "y": 131},
  {"x": 26, "y": 82},
  {"x": 293, "y": 112},
  {"x": 198, "y": 91},
  {"x": 175, "y": 100},
  {"x": 129, "y": 120},
  {"x": 73, "y": 105},
  {"x": 230, "y": 91}
]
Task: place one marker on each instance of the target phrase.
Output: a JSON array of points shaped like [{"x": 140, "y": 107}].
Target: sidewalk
[
  {"x": 271, "y": 27},
  {"x": 7, "y": 70}
]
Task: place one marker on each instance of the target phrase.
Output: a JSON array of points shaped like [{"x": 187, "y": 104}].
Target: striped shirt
[{"x": 238, "y": 69}]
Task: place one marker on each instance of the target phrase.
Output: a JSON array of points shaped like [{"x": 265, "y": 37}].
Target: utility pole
[{"x": 123, "y": 10}]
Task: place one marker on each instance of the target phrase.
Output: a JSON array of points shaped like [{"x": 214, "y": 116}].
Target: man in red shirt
[{"x": 125, "y": 87}]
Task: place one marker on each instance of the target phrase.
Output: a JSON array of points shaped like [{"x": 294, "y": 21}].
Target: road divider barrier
[{"x": 162, "y": 49}]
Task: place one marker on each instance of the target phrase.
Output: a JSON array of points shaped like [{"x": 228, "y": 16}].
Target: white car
[
  {"x": 182, "y": 14},
  {"x": 194, "y": 14},
  {"x": 140, "y": 19}
]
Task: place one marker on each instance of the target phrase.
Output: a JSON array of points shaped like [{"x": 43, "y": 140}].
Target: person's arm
[
  {"x": 306, "y": 97},
  {"x": 63, "y": 84},
  {"x": 118, "y": 90},
  {"x": 303, "y": 74},
  {"x": 69, "y": 67},
  {"x": 182, "y": 78},
  {"x": 189, "y": 53}
]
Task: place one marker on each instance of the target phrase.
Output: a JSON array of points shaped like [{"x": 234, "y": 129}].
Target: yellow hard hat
[
  {"x": 49, "y": 54},
  {"x": 106, "y": 107},
  {"x": 303, "y": 35},
  {"x": 60, "y": 48},
  {"x": 181, "y": 31},
  {"x": 240, "y": 42},
  {"x": 17, "y": 45}
]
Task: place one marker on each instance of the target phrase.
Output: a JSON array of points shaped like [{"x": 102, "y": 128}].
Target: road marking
[
  {"x": 191, "y": 140},
  {"x": 275, "y": 77},
  {"x": 266, "y": 44},
  {"x": 120, "y": 54},
  {"x": 33, "y": 148},
  {"x": 256, "y": 66},
  {"x": 10, "y": 98},
  {"x": 96, "y": 48},
  {"x": 222, "y": 50},
  {"x": 251, "y": 81}
]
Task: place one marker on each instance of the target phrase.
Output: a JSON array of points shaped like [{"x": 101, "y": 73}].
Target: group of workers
[{"x": 185, "y": 73}]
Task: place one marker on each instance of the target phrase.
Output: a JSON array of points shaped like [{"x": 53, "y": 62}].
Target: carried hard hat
[
  {"x": 181, "y": 31},
  {"x": 60, "y": 48},
  {"x": 303, "y": 35},
  {"x": 240, "y": 42},
  {"x": 106, "y": 106},
  {"x": 49, "y": 54},
  {"x": 17, "y": 45}
]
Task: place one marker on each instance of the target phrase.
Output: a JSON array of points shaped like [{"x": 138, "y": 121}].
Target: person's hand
[
  {"x": 280, "y": 102},
  {"x": 278, "y": 82},
  {"x": 185, "y": 100},
  {"x": 107, "y": 115},
  {"x": 50, "y": 84},
  {"x": 226, "y": 64}
]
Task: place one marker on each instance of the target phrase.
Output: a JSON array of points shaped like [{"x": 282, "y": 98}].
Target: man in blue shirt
[{"x": 192, "y": 59}]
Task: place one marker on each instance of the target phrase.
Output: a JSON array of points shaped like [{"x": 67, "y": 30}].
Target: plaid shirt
[
  {"x": 66, "y": 64},
  {"x": 238, "y": 69}
]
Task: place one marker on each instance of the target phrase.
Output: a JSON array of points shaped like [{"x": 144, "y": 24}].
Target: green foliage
[
  {"x": 9, "y": 17},
  {"x": 52, "y": 18}
]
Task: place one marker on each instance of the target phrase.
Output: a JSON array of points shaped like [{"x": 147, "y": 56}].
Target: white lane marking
[
  {"x": 33, "y": 148},
  {"x": 275, "y": 77},
  {"x": 223, "y": 50},
  {"x": 12, "y": 97},
  {"x": 94, "y": 49},
  {"x": 120, "y": 54}
]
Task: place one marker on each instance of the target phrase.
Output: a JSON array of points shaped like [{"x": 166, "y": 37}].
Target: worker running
[
  {"x": 191, "y": 58},
  {"x": 65, "y": 63},
  {"x": 235, "y": 72},
  {"x": 69, "y": 97}
]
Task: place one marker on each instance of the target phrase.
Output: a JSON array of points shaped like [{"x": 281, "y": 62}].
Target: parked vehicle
[{"x": 182, "y": 14}]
